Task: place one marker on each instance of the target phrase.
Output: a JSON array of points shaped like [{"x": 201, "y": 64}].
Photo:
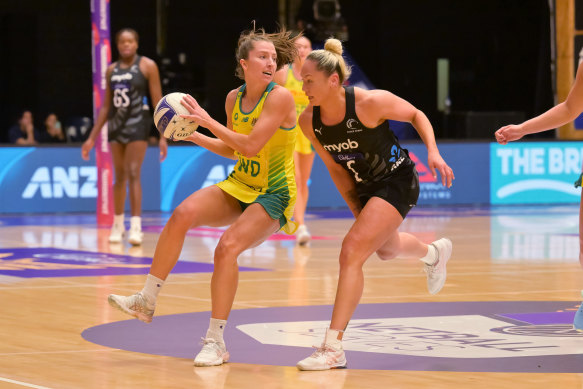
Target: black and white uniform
[
  {"x": 129, "y": 117},
  {"x": 372, "y": 156}
]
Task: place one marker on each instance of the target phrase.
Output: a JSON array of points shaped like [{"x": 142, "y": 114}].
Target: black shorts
[
  {"x": 401, "y": 190},
  {"x": 138, "y": 130}
]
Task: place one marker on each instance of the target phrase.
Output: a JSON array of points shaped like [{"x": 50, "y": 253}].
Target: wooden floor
[{"x": 499, "y": 255}]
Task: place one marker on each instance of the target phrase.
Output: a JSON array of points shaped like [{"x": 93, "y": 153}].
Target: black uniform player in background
[
  {"x": 126, "y": 110},
  {"x": 349, "y": 130}
]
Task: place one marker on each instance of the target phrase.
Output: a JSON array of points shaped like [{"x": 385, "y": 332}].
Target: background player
[
  {"x": 555, "y": 117},
  {"x": 290, "y": 78},
  {"x": 126, "y": 110}
]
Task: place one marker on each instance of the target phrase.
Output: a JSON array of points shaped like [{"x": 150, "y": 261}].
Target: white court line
[{"x": 23, "y": 383}]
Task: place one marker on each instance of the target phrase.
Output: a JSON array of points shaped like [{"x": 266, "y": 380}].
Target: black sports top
[
  {"x": 129, "y": 89},
  {"x": 370, "y": 155}
]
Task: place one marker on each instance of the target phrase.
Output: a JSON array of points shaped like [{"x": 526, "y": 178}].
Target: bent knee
[
  {"x": 227, "y": 250},
  {"x": 183, "y": 216},
  {"x": 387, "y": 254},
  {"x": 352, "y": 253}
]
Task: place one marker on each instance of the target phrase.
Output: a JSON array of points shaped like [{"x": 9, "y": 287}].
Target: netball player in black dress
[
  {"x": 349, "y": 130},
  {"x": 126, "y": 110}
]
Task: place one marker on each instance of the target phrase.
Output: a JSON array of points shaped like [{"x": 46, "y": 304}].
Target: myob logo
[
  {"x": 348, "y": 145},
  {"x": 544, "y": 166}
]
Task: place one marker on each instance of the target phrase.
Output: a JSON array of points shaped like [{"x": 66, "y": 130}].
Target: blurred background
[{"x": 496, "y": 56}]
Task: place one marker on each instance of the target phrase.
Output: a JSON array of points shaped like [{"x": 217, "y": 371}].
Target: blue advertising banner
[
  {"x": 535, "y": 173},
  {"x": 57, "y": 179},
  {"x": 469, "y": 162},
  {"x": 188, "y": 169}
]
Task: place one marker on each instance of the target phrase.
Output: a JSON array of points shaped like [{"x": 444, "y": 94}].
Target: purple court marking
[
  {"x": 179, "y": 336},
  {"x": 51, "y": 262},
  {"x": 543, "y": 317}
]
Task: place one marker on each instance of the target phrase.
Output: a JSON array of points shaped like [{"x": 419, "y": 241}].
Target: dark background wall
[{"x": 499, "y": 51}]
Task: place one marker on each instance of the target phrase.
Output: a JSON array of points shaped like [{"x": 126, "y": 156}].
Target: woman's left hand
[{"x": 436, "y": 162}]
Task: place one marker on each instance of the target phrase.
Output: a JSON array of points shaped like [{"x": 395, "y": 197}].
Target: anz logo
[{"x": 58, "y": 182}]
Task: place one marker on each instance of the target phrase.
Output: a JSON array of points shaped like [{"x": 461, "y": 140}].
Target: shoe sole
[
  {"x": 218, "y": 362},
  {"x": 116, "y": 240},
  {"x": 138, "y": 315},
  {"x": 136, "y": 241},
  {"x": 329, "y": 368},
  {"x": 303, "y": 240}
]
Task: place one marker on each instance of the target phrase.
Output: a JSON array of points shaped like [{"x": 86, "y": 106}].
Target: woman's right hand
[
  {"x": 86, "y": 148},
  {"x": 197, "y": 113},
  {"x": 509, "y": 133}
]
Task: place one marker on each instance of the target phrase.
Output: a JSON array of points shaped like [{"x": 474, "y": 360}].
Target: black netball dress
[
  {"x": 129, "y": 117},
  {"x": 373, "y": 157}
]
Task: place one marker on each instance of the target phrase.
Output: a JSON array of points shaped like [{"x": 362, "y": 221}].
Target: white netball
[{"x": 168, "y": 121}]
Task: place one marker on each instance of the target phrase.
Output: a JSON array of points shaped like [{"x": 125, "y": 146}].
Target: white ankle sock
[
  {"x": 136, "y": 223},
  {"x": 431, "y": 257},
  {"x": 332, "y": 338},
  {"x": 151, "y": 289},
  {"x": 216, "y": 329},
  {"x": 118, "y": 220}
]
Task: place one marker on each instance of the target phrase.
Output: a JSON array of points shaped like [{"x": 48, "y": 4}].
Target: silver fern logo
[{"x": 352, "y": 124}]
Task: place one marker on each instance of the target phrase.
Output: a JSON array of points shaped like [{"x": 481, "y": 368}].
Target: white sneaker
[
  {"x": 213, "y": 353},
  {"x": 134, "y": 305},
  {"x": 117, "y": 233},
  {"x": 303, "y": 235},
  {"x": 436, "y": 273},
  {"x": 324, "y": 358},
  {"x": 135, "y": 236}
]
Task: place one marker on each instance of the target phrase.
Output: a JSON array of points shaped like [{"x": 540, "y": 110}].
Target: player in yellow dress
[
  {"x": 256, "y": 199},
  {"x": 304, "y": 154}
]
